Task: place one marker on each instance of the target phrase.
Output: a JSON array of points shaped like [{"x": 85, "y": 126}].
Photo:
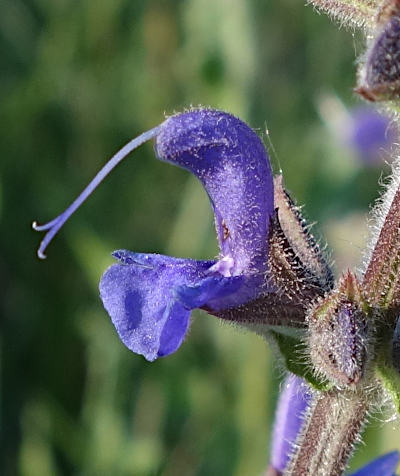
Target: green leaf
[{"x": 390, "y": 379}]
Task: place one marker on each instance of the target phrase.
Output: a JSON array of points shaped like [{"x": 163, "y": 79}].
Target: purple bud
[
  {"x": 338, "y": 336},
  {"x": 380, "y": 76}
]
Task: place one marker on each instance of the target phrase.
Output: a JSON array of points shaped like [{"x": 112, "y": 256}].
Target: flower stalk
[{"x": 332, "y": 427}]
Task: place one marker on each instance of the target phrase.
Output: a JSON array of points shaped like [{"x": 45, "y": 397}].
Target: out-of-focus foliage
[{"x": 79, "y": 79}]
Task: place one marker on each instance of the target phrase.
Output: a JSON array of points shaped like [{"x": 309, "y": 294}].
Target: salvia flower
[
  {"x": 368, "y": 134},
  {"x": 371, "y": 135},
  {"x": 149, "y": 297}
]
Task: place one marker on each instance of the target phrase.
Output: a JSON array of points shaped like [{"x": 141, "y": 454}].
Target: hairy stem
[
  {"x": 359, "y": 13},
  {"x": 332, "y": 427},
  {"x": 381, "y": 283}
]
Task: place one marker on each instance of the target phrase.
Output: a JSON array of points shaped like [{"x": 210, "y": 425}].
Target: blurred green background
[{"x": 78, "y": 80}]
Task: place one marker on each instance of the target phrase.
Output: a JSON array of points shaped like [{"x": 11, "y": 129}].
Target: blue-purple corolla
[{"x": 149, "y": 296}]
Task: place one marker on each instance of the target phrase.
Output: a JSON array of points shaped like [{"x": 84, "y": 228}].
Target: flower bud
[
  {"x": 338, "y": 338},
  {"x": 379, "y": 78}
]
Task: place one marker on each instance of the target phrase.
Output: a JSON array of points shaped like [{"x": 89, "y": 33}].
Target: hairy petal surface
[
  {"x": 149, "y": 298},
  {"x": 292, "y": 404},
  {"x": 231, "y": 162}
]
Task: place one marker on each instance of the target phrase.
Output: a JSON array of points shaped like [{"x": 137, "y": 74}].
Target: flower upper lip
[{"x": 236, "y": 176}]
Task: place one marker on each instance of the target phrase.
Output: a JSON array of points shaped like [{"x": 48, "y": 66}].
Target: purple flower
[
  {"x": 269, "y": 268},
  {"x": 370, "y": 135},
  {"x": 291, "y": 409},
  {"x": 292, "y": 405},
  {"x": 383, "y": 466},
  {"x": 149, "y": 297}
]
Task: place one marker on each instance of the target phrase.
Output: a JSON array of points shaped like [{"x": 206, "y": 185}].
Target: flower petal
[
  {"x": 292, "y": 404},
  {"x": 371, "y": 136},
  {"x": 149, "y": 298},
  {"x": 383, "y": 466},
  {"x": 231, "y": 162},
  {"x": 216, "y": 293},
  {"x": 139, "y": 296}
]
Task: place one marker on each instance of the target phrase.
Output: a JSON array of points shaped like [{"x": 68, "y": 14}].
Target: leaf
[{"x": 390, "y": 379}]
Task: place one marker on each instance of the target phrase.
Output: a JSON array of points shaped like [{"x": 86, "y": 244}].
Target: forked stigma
[{"x": 52, "y": 227}]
